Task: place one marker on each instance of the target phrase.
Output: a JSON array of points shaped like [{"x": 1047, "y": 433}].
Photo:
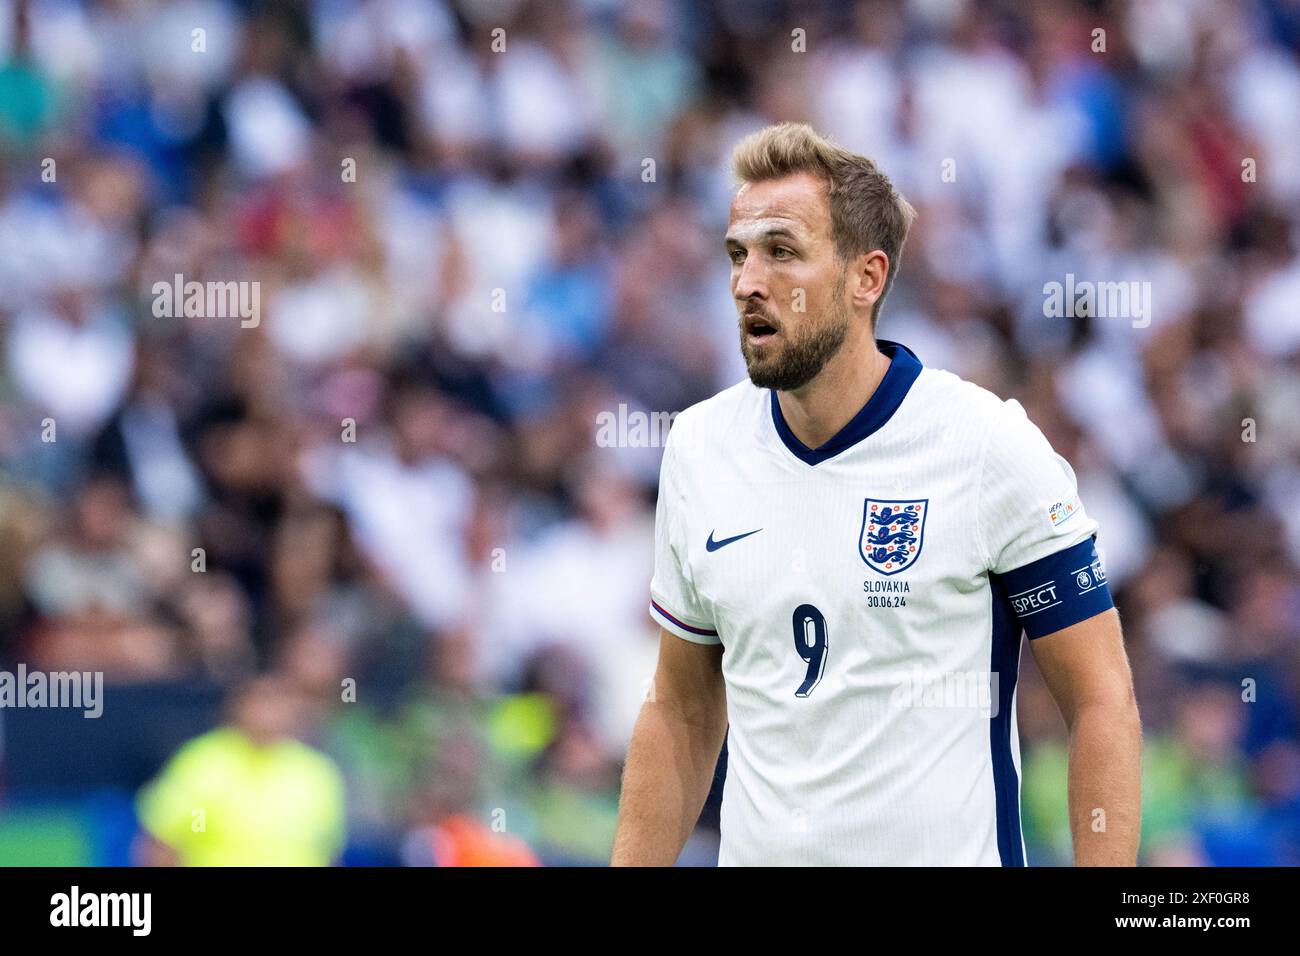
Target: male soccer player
[{"x": 848, "y": 549}]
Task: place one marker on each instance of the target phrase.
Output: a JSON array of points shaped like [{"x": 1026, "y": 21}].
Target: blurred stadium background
[{"x": 449, "y": 612}]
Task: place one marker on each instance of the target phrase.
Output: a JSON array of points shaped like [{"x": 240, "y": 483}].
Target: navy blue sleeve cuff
[{"x": 1057, "y": 591}]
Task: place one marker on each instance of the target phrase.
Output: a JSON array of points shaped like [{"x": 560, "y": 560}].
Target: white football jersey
[{"x": 870, "y": 597}]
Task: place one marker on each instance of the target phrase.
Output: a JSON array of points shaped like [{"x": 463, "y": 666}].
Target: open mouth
[{"x": 757, "y": 329}]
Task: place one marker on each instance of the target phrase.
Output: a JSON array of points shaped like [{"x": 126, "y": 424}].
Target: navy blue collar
[{"x": 904, "y": 367}]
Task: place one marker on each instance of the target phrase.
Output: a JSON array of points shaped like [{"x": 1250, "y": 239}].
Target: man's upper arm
[
  {"x": 1037, "y": 540},
  {"x": 674, "y": 603},
  {"x": 1040, "y": 545},
  {"x": 689, "y": 679},
  {"x": 1085, "y": 664}
]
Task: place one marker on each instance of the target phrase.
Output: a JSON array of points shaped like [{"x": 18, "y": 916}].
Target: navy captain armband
[{"x": 1057, "y": 591}]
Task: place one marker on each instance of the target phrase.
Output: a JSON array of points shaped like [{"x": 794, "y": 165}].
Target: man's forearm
[
  {"x": 670, "y": 766},
  {"x": 1105, "y": 784}
]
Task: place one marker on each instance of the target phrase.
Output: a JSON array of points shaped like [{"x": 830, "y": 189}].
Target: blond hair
[{"x": 867, "y": 212}]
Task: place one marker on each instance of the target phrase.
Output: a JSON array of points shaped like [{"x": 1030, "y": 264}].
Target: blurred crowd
[{"x": 477, "y": 225}]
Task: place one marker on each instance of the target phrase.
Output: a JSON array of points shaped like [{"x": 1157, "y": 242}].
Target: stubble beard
[{"x": 794, "y": 361}]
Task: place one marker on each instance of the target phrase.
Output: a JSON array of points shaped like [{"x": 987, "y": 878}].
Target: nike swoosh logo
[{"x": 712, "y": 545}]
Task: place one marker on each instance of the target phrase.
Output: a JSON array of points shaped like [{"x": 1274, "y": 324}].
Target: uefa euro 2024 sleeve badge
[{"x": 892, "y": 533}]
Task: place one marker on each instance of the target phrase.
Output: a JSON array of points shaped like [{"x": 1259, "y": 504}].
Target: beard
[{"x": 797, "y": 357}]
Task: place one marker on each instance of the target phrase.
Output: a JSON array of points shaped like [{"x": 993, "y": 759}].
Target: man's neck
[{"x": 817, "y": 412}]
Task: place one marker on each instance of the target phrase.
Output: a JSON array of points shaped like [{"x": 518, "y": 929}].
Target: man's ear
[{"x": 870, "y": 269}]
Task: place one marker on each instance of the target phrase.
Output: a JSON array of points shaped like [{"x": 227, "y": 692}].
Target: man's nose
[{"x": 751, "y": 281}]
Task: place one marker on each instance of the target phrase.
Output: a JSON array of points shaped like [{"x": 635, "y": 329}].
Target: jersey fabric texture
[{"x": 870, "y": 596}]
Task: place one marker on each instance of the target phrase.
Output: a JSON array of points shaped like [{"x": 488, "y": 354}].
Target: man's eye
[
  {"x": 736, "y": 255},
  {"x": 781, "y": 252}
]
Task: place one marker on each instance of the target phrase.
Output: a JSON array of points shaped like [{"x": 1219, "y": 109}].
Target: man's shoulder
[
  {"x": 734, "y": 418},
  {"x": 943, "y": 394},
  {"x": 719, "y": 421},
  {"x": 1010, "y": 448}
]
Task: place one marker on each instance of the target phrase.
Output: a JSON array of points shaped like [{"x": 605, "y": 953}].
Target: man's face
[
  {"x": 267, "y": 712},
  {"x": 788, "y": 282}
]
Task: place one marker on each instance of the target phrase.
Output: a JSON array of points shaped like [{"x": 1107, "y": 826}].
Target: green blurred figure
[{"x": 247, "y": 793}]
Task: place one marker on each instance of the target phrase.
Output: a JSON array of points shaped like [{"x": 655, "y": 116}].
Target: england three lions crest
[{"x": 892, "y": 533}]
